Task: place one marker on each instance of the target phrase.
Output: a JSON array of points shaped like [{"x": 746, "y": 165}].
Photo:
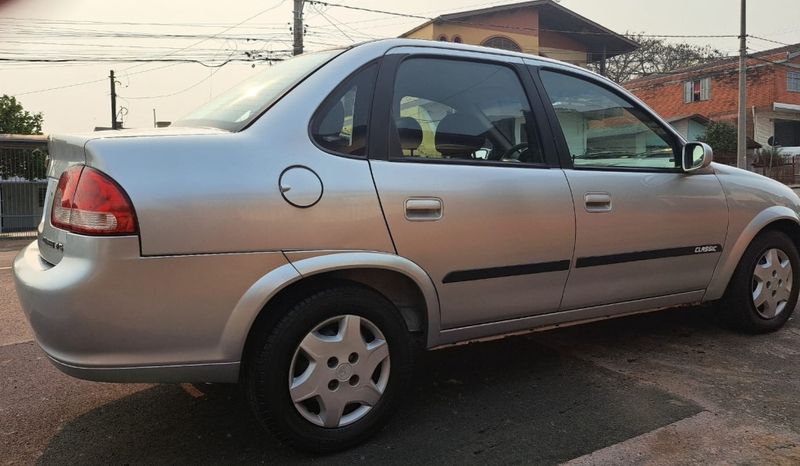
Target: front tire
[
  {"x": 763, "y": 292},
  {"x": 330, "y": 373}
]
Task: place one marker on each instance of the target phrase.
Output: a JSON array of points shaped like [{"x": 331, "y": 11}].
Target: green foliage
[
  {"x": 28, "y": 164},
  {"x": 721, "y": 136},
  {"x": 16, "y": 120}
]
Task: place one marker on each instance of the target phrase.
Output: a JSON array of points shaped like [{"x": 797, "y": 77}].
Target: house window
[
  {"x": 443, "y": 38},
  {"x": 697, "y": 90},
  {"x": 504, "y": 43},
  {"x": 457, "y": 39},
  {"x": 794, "y": 81}
]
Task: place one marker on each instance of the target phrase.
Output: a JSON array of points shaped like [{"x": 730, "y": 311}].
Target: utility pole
[
  {"x": 741, "y": 145},
  {"x": 297, "y": 29},
  {"x": 603, "y": 63},
  {"x": 113, "y": 100}
]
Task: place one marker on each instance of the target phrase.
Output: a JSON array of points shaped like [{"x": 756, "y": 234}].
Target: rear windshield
[{"x": 237, "y": 107}]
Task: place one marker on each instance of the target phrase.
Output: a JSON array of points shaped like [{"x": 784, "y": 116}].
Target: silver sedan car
[{"x": 307, "y": 232}]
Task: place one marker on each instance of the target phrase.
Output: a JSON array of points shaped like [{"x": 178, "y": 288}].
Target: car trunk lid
[{"x": 68, "y": 150}]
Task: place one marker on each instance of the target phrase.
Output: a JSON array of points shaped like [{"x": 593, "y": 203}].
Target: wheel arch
[
  {"x": 778, "y": 218},
  {"x": 401, "y": 281}
]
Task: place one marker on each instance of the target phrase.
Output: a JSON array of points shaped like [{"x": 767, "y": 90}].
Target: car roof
[{"x": 389, "y": 44}]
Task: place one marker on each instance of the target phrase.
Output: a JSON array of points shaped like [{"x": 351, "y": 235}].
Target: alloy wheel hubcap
[
  {"x": 772, "y": 283},
  {"x": 339, "y": 371}
]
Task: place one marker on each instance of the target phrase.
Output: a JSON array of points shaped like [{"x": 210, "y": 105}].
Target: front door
[
  {"x": 644, "y": 228},
  {"x": 467, "y": 190}
]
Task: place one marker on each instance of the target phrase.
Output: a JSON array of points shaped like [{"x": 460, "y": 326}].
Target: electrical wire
[
  {"x": 280, "y": 2},
  {"x": 506, "y": 26},
  {"x": 134, "y": 60},
  {"x": 768, "y": 40},
  {"x": 325, "y": 17},
  {"x": 142, "y": 61},
  {"x": 205, "y": 78}
]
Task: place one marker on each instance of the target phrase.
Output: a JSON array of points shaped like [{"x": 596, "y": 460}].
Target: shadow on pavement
[{"x": 513, "y": 400}]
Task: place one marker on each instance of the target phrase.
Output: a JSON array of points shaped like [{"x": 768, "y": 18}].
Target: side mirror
[{"x": 696, "y": 155}]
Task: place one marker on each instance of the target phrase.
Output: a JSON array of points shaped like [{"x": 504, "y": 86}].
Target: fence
[
  {"x": 23, "y": 184},
  {"x": 783, "y": 168}
]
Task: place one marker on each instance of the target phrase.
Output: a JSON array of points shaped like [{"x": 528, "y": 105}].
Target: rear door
[
  {"x": 469, "y": 184},
  {"x": 645, "y": 229}
]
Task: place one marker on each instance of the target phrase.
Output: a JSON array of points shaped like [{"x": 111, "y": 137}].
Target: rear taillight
[{"x": 87, "y": 201}]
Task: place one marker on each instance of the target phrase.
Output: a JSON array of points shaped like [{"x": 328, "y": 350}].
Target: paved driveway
[{"x": 662, "y": 388}]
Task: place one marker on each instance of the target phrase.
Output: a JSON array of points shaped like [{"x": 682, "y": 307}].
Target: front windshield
[{"x": 235, "y": 108}]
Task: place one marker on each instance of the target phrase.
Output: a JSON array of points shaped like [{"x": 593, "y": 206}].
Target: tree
[
  {"x": 16, "y": 120},
  {"x": 721, "y": 136},
  {"x": 656, "y": 56},
  {"x": 20, "y": 163}
]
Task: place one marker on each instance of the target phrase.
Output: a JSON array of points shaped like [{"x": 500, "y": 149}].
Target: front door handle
[
  {"x": 597, "y": 202},
  {"x": 424, "y": 209}
]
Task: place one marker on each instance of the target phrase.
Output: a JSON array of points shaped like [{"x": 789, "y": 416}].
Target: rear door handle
[
  {"x": 597, "y": 202},
  {"x": 424, "y": 209}
]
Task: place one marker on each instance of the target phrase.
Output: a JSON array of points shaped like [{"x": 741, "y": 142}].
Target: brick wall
[{"x": 766, "y": 84}]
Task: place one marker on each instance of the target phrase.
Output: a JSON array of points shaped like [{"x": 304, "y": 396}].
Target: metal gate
[{"x": 23, "y": 184}]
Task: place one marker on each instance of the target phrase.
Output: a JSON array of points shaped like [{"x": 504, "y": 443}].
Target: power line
[
  {"x": 131, "y": 23},
  {"x": 89, "y": 82},
  {"x": 506, "y": 26},
  {"x": 93, "y": 33},
  {"x": 280, "y": 2},
  {"x": 161, "y": 59},
  {"x": 206, "y": 78},
  {"x": 785, "y": 65},
  {"x": 369, "y": 10},
  {"x": 768, "y": 40},
  {"x": 325, "y": 17},
  {"x": 133, "y": 60}
]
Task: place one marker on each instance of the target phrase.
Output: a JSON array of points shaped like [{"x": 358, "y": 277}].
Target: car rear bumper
[
  {"x": 106, "y": 313},
  {"x": 216, "y": 372}
]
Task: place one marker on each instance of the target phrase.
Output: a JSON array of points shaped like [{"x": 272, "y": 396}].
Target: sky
[{"x": 75, "y": 96}]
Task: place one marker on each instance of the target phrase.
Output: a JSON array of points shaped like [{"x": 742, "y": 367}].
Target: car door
[
  {"x": 469, "y": 191},
  {"x": 644, "y": 228}
]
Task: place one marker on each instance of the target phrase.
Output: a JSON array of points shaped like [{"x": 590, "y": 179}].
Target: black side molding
[
  {"x": 647, "y": 255},
  {"x": 507, "y": 271}
]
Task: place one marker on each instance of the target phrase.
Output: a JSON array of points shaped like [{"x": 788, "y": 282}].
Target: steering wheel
[{"x": 515, "y": 149}]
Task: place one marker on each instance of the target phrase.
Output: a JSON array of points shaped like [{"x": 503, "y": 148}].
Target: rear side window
[
  {"x": 340, "y": 124},
  {"x": 462, "y": 111},
  {"x": 237, "y": 107},
  {"x": 603, "y": 130}
]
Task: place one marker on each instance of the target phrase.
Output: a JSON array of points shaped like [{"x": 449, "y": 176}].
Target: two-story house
[
  {"x": 690, "y": 97},
  {"x": 541, "y": 27}
]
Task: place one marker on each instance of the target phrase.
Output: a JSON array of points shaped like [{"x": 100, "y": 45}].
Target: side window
[
  {"x": 340, "y": 124},
  {"x": 461, "y": 110},
  {"x": 604, "y": 130}
]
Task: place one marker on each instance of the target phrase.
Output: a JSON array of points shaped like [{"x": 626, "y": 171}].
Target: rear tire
[
  {"x": 329, "y": 374},
  {"x": 763, "y": 291}
]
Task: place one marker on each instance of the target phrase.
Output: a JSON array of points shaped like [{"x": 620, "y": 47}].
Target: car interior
[{"x": 451, "y": 110}]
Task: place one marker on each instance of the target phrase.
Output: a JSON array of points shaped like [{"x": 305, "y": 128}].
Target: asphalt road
[{"x": 663, "y": 388}]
